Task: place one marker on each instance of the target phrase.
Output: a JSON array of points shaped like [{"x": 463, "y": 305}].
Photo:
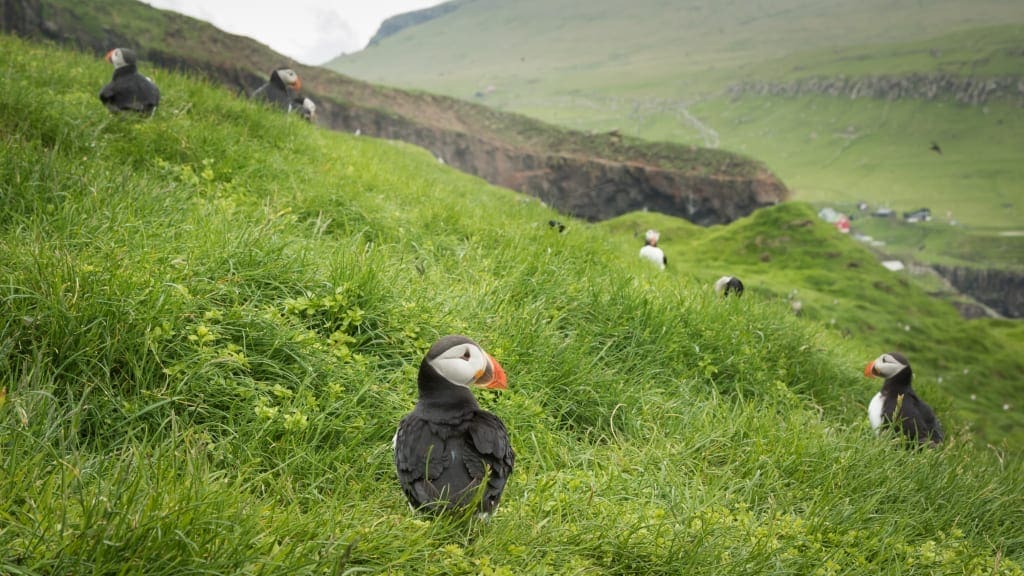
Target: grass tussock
[{"x": 211, "y": 323}]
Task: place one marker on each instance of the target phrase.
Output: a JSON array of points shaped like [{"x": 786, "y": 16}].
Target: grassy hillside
[
  {"x": 211, "y": 324},
  {"x": 664, "y": 72},
  {"x": 786, "y": 254},
  {"x": 344, "y": 103}
]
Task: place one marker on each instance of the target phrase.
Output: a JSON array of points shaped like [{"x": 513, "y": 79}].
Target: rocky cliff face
[
  {"x": 706, "y": 188},
  {"x": 585, "y": 187},
  {"x": 964, "y": 90},
  {"x": 1001, "y": 290}
]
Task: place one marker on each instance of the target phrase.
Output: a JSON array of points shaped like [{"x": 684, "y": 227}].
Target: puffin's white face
[
  {"x": 720, "y": 285},
  {"x": 289, "y": 77},
  {"x": 467, "y": 365},
  {"x": 116, "y": 57},
  {"x": 885, "y": 366},
  {"x": 462, "y": 364},
  {"x": 309, "y": 106}
]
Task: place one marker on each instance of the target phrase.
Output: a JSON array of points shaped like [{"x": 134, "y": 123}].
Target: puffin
[
  {"x": 897, "y": 400},
  {"x": 556, "y": 225},
  {"x": 651, "y": 251},
  {"x": 128, "y": 90},
  {"x": 281, "y": 90},
  {"x": 727, "y": 285},
  {"x": 305, "y": 107},
  {"x": 449, "y": 452}
]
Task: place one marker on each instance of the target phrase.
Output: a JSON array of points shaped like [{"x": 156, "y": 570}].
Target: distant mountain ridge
[
  {"x": 593, "y": 176},
  {"x": 399, "y": 22}
]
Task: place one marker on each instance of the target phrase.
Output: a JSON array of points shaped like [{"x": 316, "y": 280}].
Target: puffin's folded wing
[
  {"x": 490, "y": 438},
  {"x": 420, "y": 458}
]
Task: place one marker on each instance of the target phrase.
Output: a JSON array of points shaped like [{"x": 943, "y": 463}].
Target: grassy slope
[
  {"x": 843, "y": 288},
  {"x": 211, "y": 322},
  {"x": 242, "y": 63},
  {"x": 664, "y": 75}
]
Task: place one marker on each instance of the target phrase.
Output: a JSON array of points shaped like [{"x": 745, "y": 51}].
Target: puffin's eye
[{"x": 466, "y": 355}]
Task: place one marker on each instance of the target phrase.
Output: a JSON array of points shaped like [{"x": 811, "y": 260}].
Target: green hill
[
  {"x": 211, "y": 322},
  {"x": 841, "y": 99}
]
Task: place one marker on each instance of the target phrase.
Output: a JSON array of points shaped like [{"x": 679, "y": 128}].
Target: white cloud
[{"x": 310, "y": 31}]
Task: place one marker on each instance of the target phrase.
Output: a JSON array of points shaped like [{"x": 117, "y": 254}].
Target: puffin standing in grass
[
  {"x": 306, "y": 108},
  {"x": 281, "y": 90},
  {"x": 650, "y": 249},
  {"x": 448, "y": 447},
  {"x": 897, "y": 403},
  {"x": 128, "y": 90},
  {"x": 727, "y": 285}
]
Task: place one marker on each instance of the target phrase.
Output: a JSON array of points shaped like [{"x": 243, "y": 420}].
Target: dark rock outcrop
[
  {"x": 973, "y": 91},
  {"x": 1001, "y": 290},
  {"x": 585, "y": 187}
]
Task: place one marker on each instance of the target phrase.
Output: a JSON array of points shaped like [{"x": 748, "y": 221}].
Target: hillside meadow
[
  {"x": 669, "y": 71},
  {"x": 212, "y": 319}
]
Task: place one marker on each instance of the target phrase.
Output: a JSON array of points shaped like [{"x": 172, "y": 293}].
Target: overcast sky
[{"x": 310, "y": 31}]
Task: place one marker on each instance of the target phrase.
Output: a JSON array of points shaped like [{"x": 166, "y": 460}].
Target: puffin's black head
[
  {"x": 456, "y": 360},
  {"x": 286, "y": 77},
  {"x": 887, "y": 365},
  {"x": 121, "y": 57}
]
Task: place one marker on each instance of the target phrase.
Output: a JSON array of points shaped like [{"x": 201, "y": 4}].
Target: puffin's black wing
[
  {"x": 420, "y": 458},
  {"x": 490, "y": 440},
  {"x": 440, "y": 466},
  {"x": 273, "y": 94},
  {"x": 919, "y": 421}
]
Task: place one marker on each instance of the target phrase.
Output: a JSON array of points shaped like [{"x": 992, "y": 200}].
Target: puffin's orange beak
[
  {"x": 493, "y": 378},
  {"x": 109, "y": 56},
  {"x": 298, "y": 84},
  {"x": 869, "y": 370}
]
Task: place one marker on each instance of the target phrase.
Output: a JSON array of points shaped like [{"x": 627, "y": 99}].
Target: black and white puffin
[
  {"x": 448, "y": 445},
  {"x": 128, "y": 90},
  {"x": 727, "y": 285},
  {"x": 897, "y": 400},
  {"x": 305, "y": 107},
  {"x": 281, "y": 90}
]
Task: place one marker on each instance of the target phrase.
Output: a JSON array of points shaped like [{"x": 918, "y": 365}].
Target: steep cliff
[
  {"x": 400, "y": 22},
  {"x": 973, "y": 91},
  {"x": 1001, "y": 290},
  {"x": 593, "y": 176}
]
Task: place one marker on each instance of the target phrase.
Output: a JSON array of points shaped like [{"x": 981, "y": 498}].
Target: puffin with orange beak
[
  {"x": 449, "y": 452},
  {"x": 281, "y": 90},
  {"x": 896, "y": 404},
  {"x": 128, "y": 90}
]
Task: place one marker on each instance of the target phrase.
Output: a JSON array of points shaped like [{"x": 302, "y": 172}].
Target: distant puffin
[
  {"x": 729, "y": 285},
  {"x": 281, "y": 90},
  {"x": 128, "y": 90},
  {"x": 651, "y": 251},
  {"x": 447, "y": 446},
  {"x": 305, "y": 107},
  {"x": 917, "y": 419}
]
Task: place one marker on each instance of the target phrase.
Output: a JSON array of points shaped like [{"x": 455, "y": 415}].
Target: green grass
[{"x": 211, "y": 322}]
